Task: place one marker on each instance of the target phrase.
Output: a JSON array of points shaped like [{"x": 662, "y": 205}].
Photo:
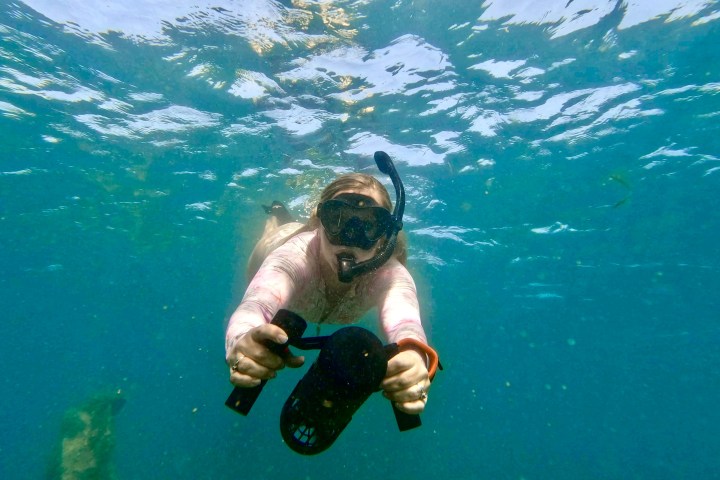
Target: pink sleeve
[
  {"x": 271, "y": 289},
  {"x": 398, "y": 304}
]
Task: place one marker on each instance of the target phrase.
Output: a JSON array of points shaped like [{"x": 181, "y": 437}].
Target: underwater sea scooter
[{"x": 349, "y": 368}]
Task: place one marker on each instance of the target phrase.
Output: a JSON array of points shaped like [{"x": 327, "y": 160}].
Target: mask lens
[
  {"x": 331, "y": 216},
  {"x": 353, "y": 226},
  {"x": 377, "y": 222}
]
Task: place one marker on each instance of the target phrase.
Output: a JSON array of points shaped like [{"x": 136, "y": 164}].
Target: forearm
[
  {"x": 407, "y": 328},
  {"x": 247, "y": 316},
  {"x": 402, "y": 321},
  {"x": 268, "y": 292},
  {"x": 399, "y": 308}
]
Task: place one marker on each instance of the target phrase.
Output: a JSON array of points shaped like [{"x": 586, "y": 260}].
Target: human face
[
  {"x": 330, "y": 252},
  {"x": 354, "y": 220}
]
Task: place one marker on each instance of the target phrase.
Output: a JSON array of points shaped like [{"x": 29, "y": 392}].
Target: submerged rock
[{"x": 87, "y": 440}]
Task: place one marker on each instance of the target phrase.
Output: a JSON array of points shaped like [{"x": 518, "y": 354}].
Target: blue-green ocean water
[{"x": 562, "y": 166}]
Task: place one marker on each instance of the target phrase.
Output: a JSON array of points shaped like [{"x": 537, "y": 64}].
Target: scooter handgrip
[
  {"x": 406, "y": 421},
  {"x": 242, "y": 399}
]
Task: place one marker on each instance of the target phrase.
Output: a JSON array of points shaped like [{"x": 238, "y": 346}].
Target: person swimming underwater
[{"x": 348, "y": 258}]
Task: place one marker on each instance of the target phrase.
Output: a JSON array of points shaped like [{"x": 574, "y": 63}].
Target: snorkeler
[{"x": 347, "y": 259}]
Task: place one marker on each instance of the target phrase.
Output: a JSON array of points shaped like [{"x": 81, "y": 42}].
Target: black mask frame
[{"x": 354, "y": 220}]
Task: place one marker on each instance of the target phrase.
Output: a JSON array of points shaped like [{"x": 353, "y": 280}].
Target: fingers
[
  {"x": 401, "y": 362},
  {"x": 404, "y": 370},
  {"x": 412, "y": 399},
  {"x": 242, "y": 380},
  {"x": 275, "y": 334},
  {"x": 252, "y": 361},
  {"x": 294, "y": 362},
  {"x": 418, "y": 391},
  {"x": 246, "y": 372},
  {"x": 255, "y": 346},
  {"x": 269, "y": 332},
  {"x": 407, "y": 382},
  {"x": 413, "y": 408}
]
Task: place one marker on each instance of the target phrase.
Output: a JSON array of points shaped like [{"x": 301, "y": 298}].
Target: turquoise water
[{"x": 562, "y": 166}]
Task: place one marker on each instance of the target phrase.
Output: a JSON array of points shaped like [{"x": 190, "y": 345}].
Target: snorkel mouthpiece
[
  {"x": 348, "y": 268},
  {"x": 346, "y": 263}
]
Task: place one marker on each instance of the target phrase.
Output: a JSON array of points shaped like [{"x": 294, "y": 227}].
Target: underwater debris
[{"x": 87, "y": 440}]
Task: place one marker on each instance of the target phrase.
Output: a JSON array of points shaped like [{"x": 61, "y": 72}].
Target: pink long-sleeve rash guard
[{"x": 290, "y": 278}]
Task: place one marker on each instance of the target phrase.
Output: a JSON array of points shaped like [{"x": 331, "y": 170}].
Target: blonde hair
[{"x": 360, "y": 182}]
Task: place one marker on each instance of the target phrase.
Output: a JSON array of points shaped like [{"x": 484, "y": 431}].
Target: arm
[
  {"x": 249, "y": 328},
  {"x": 407, "y": 380},
  {"x": 398, "y": 305}
]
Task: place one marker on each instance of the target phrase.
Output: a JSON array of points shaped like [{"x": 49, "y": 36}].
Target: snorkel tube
[{"x": 348, "y": 268}]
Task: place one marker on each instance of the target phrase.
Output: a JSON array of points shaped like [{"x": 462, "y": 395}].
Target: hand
[
  {"x": 251, "y": 361},
  {"x": 406, "y": 382}
]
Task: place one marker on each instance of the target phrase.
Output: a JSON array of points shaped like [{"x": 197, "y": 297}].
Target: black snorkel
[{"x": 348, "y": 268}]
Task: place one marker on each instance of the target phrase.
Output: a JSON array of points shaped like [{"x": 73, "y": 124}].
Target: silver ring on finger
[
  {"x": 237, "y": 362},
  {"x": 423, "y": 394}
]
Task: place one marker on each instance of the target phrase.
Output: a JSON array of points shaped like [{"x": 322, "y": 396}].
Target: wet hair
[{"x": 360, "y": 182}]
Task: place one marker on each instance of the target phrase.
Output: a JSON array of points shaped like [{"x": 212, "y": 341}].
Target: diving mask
[
  {"x": 354, "y": 220},
  {"x": 364, "y": 225}
]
